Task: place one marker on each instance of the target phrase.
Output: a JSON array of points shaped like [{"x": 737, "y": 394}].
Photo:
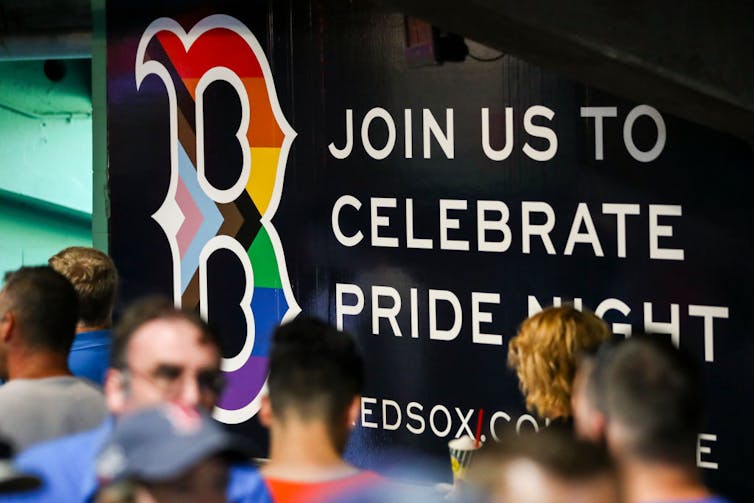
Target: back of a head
[
  {"x": 315, "y": 372},
  {"x": 650, "y": 392},
  {"x": 544, "y": 354},
  {"x": 546, "y": 467},
  {"x": 148, "y": 309},
  {"x": 95, "y": 279},
  {"x": 45, "y": 306}
]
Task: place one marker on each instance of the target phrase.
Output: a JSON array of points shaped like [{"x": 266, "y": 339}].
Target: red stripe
[{"x": 216, "y": 47}]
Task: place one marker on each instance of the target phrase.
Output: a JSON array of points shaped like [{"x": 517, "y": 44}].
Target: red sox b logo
[{"x": 198, "y": 217}]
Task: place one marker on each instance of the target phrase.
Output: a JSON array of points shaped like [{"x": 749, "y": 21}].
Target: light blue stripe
[{"x": 213, "y": 219}]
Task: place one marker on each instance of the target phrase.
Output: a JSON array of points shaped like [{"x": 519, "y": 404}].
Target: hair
[
  {"x": 45, "y": 305},
  {"x": 150, "y": 309},
  {"x": 123, "y": 491},
  {"x": 654, "y": 390},
  {"x": 95, "y": 279},
  {"x": 554, "y": 449},
  {"x": 544, "y": 354},
  {"x": 315, "y": 371}
]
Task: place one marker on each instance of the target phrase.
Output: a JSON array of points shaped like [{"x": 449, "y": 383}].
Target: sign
[{"x": 266, "y": 160}]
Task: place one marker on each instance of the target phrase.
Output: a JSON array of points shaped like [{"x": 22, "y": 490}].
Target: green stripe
[{"x": 264, "y": 262}]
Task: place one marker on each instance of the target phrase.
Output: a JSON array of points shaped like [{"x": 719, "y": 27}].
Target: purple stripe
[{"x": 244, "y": 384}]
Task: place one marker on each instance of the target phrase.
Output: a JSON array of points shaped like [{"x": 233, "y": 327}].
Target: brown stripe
[
  {"x": 190, "y": 299},
  {"x": 232, "y": 219},
  {"x": 187, "y": 136},
  {"x": 186, "y": 107}
]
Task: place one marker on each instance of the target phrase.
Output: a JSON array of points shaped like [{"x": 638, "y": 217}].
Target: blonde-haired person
[
  {"x": 95, "y": 279},
  {"x": 544, "y": 355}
]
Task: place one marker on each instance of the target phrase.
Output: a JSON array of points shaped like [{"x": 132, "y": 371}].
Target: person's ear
[
  {"x": 353, "y": 411},
  {"x": 599, "y": 426},
  {"x": 7, "y": 324},
  {"x": 617, "y": 437},
  {"x": 265, "y": 412},
  {"x": 116, "y": 390}
]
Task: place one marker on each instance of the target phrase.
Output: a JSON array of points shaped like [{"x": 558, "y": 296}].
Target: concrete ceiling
[
  {"x": 45, "y": 29},
  {"x": 692, "y": 58}
]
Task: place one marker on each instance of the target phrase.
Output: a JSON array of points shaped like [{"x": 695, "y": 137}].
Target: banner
[{"x": 267, "y": 160}]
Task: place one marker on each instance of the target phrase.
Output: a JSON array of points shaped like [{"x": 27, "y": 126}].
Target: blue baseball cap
[{"x": 161, "y": 443}]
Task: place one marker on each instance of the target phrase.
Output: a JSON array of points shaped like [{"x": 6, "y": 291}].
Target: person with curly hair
[{"x": 544, "y": 354}]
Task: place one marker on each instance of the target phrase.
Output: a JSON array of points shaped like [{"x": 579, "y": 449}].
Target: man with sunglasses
[
  {"x": 162, "y": 354},
  {"x": 159, "y": 354}
]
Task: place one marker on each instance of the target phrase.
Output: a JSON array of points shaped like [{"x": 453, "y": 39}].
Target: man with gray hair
[{"x": 649, "y": 397}]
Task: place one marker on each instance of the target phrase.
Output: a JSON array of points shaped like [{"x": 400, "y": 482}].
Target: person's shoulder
[
  {"x": 20, "y": 393},
  {"x": 89, "y": 357},
  {"x": 15, "y": 386},
  {"x": 247, "y": 486},
  {"x": 368, "y": 479},
  {"x": 371, "y": 487},
  {"x": 363, "y": 486},
  {"x": 369, "y": 476},
  {"x": 66, "y": 464},
  {"x": 72, "y": 390},
  {"x": 92, "y": 340},
  {"x": 707, "y": 499},
  {"x": 344, "y": 488},
  {"x": 81, "y": 445},
  {"x": 361, "y": 480},
  {"x": 716, "y": 499},
  {"x": 359, "y": 477},
  {"x": 85, "y": 387}
]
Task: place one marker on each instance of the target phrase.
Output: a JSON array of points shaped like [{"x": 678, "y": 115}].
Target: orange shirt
[{"x": 344, "y": 489}]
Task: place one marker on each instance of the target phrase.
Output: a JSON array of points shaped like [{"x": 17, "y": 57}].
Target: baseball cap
[
  {"x": 11, "y": 480},
  {"x": 163, "y": 442}
]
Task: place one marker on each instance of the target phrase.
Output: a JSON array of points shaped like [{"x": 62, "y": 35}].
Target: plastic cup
[{"x": 461, "y": 452}]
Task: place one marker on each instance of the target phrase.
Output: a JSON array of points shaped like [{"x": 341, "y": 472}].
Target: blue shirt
[
  {"x": 90, "y": 355},
  {"x": 65, "y": 465},
  {"x": 67, "y": 468},
  {"x": 247, "y": 486},
  {"x": 710, "y": 499}
]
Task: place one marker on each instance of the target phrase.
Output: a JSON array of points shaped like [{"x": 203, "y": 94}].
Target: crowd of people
[
  {"x": 123, "y": 415},
  {"x": 638, "y": 400}
]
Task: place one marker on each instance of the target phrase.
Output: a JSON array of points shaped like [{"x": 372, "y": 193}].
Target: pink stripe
[{"x": 193, "y": 217}]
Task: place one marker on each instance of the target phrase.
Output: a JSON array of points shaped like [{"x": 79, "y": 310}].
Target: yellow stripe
[{"x": 264, "y": 162}]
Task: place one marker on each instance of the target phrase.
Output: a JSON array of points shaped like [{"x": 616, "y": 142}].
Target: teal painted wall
[
  {"x": 45, "y": 161},
  {"x": 30, "y": 234}
]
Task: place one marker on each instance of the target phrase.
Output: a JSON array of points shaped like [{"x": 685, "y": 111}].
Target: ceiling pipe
[{"x": 73, "y": 45}]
